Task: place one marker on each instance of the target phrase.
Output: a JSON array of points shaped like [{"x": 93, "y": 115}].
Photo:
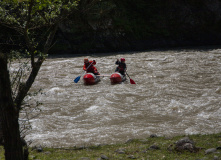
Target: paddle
[
  {"x": 131, "y": 81},
  {"x": 79, "y": 77}
]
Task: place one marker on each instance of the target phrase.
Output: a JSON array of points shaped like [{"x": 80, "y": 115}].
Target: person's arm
[
  {"x": 84, "y": 68},
  {"x": 125, "y": 67},
  {"x": 117, "y": 62}
]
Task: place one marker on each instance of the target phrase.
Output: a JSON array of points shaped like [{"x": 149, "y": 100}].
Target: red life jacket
[{"x": 91, "y": 69}]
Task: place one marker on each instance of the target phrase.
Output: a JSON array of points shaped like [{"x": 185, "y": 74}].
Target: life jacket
[
  {"x": 91, "y": 69},
  {"x": 121, "y": 66}
]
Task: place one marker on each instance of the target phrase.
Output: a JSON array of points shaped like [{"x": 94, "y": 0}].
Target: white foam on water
[{"x": 92, "y": 109}]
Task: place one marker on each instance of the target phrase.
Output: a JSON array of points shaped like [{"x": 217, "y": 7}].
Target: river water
[{"x": 177, "y": 92}]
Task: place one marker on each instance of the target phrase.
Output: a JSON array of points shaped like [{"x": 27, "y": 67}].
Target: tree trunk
[{"x": 9, "y": 115}]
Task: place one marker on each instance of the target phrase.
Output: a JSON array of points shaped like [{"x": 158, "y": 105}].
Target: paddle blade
[
  {"x": 77, "y": 79},
  {"x": 132, "y": 81}
]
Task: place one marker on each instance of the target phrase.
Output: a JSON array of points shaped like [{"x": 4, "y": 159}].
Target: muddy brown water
[{"x": 177, "y": 92}]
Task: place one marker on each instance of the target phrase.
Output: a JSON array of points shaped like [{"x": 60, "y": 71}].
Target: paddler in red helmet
[
  {"x": 121, "y": 66},
  {"x": 91, "y": 69}
]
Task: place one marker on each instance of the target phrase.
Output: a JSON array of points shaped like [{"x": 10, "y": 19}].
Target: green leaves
[
  {"x": 41, "y": 12},
  {"x": 32, "y": 22}
]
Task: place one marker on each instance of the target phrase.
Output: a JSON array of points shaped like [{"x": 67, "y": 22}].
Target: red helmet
[
  {"x": 86, "y": 60},
  {"x": 122, "y": 59}
]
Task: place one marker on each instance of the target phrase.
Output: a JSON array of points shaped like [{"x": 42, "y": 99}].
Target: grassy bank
[{"x": 151, "y": 148}]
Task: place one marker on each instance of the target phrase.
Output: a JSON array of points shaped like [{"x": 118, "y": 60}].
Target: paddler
[
  {"x": 121, "y": 68},
  {"x": 91, "y": 69}
]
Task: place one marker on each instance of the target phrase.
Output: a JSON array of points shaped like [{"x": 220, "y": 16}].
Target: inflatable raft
[
  {"x": 116, "y": 78},
  {"x": 90, "y": 79}
]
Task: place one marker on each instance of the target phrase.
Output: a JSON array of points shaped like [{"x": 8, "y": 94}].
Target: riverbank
[{"x": 191, "y": 147}]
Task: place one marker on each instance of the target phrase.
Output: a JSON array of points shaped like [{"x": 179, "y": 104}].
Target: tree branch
[
  {"x": 29, "y": 14},
  {"x": 50, "y": 39},
  {"x": 24, "y": 88}
]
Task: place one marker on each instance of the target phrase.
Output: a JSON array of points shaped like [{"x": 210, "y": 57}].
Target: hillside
[{"x": 112, "y": 26}]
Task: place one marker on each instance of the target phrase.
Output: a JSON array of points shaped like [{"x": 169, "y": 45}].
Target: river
[{"x": 177, "y": 92}]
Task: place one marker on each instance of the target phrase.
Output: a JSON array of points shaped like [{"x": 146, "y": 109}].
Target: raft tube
[
  {"x": 117, "y": 78},
  {"x": 90, "y": 79}
]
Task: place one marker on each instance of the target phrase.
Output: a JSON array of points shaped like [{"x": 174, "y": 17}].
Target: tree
[{"x": 35, "y": 23}]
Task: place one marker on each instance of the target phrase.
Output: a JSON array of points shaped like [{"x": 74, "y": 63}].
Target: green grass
[{"x": 134, "y": 149}]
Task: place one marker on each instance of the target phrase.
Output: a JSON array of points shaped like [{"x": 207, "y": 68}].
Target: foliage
[
  {"x": 42, "y": 11},
  {"x": 34, "y": 18},
  {"x": 97, "y": 23}
]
